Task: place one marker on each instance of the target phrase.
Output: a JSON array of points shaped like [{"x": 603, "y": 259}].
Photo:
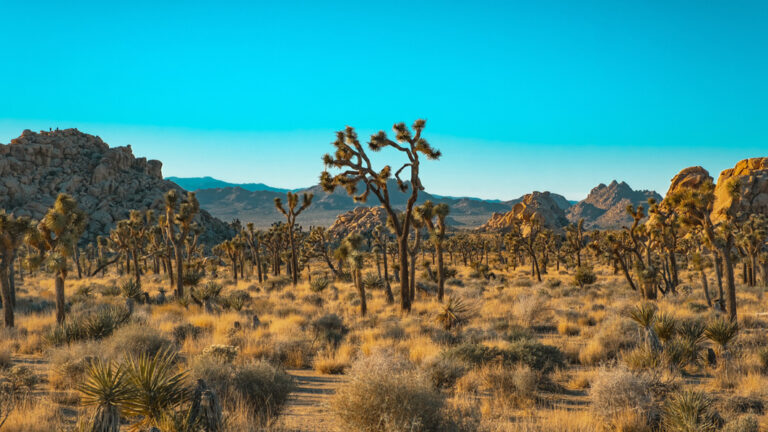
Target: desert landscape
[
  {"x": 400, "y": 216},
  {"x": 128, "y": 306}
]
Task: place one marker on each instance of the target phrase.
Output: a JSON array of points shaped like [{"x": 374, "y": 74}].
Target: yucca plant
[
  {"x": 372, "y": 281},
  {"x": 319, "y": 284},
  {"x": 690, "y": 337},
  {"x": 156, "y": 387},
  {"x": 665, "y": 327},
  {"x": 131, "y": 290},
  {"x": 645, "y": 316},
  {"x": 722, "y": 331},
  {"x": 106, "y": 388},
  {"x": 454, "y": 314},
  {"x": 689, "y": 411}
]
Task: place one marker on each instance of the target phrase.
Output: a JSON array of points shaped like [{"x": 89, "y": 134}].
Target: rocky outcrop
[
  {"x": 691, "y": 177},
  {"x": 605, "y": 206},
  {"x": 106, "y": 182},
  {"x": 534, "y": 206},
  {"x": 742, "y": 190},
  {"x": 360, "y": 220}
]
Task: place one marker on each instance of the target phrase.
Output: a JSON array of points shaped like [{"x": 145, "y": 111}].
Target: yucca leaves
[
  {"x": 455, "y": 314},
  {"x": 689, "y": 411},
  {"x": 721, "y": 331},
  {"x": 105, "y": 384},
  {"x": 156, "y": 386}
]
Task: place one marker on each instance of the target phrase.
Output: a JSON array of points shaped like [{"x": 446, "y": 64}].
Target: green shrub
[
  {"x": 137, "y": 340},
  {"x": 583, "y": 276},
  {"x": 94, "y": 322},
  {"x": 540, "y": 357},
  {"x": 689, "y": 411},
  {"x": 329, "y": 328},
  {"x": 319, "y": 284}
]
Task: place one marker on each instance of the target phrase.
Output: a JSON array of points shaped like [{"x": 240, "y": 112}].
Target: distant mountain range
[
  {"x": 254, "y": 202},
  {"x": 198, "y": 183}
]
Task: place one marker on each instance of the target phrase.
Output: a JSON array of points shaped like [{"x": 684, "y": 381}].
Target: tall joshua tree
[
  {"x": 12, "y": 233},
  {"x": 55, "y": 238},
  {"x": 290, "y": 212},
  {"x": 252, "y": 238},
  {"x": 351, "y": 158},
  {"x": 179, "y": 223},
  {"x": 694, "y": 205},
  {"x": 433, "y": 217}
]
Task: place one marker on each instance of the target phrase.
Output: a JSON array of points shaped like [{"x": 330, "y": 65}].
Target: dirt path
[{"x": 307, "y": 410}]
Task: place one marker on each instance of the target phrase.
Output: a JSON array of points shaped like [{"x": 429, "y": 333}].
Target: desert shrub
[
  {"x": 584, "y": 276},
  {"x": 454, "y": 282},
  {"x": 372, "y": 281},
  {"x": 68, "y": 364},
  {"x": 613, "y": 392},
  {"x": 296, "y": 354},
  {"x": 236, "y": 300},
  {"x": 94, "y": 322},
  {"x": 641, "y": 357},
  {"x": 611, "y": 337},
  {"x": 222, "y": 353},
  {"x": 185, "y": 331},
  {"x": 385, "y": 394},
  {"x": 745, "y": 423},
  {"x": 313, "y": 299},
  {"x": 263, "y": 387},
  {"x": 553, "y": 283},
  {"x": 319, "y": 284},
  {"x": 527, "y": 308},
  {"x": 329, "y": 328},
  {"x": 567, "y": 328},
  {"x": 538, "y": 356},
  {"x": 276, "y": 283},
  {"x": 136, "y": 340},
  {"x": 443, "y": 372},
  {"x": 517, "y": 384},
  {"x": 689, "y": 411}
]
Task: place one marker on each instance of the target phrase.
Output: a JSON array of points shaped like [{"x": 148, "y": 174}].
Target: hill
[
  {"x": 199, "y": 183},
  {"x": 605, "y": 206},
  {"x": 106, "y": 182}
]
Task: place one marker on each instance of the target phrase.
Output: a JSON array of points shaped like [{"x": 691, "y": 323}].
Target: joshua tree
[
  {"x": 12, "y": 233},
  {"x": 664, "y": 230},
  {"x": 526, "y": 237},
  {"x": 352, "y": 159},
  {"x": 179, "y": 223},
  {"x": 380, "y": 238},
  {"x": 55, "y": 238},
  {"x": 317, "y": 245},
  {"x": 574, "y": 237},
  {"x": 253, "y": 238},
  {"x": 694, "y": 206},
  {"x": 290, "y": 215},
  {"x": 427, "y": 212},
  {"x": 233, "y": 249},
  {"x": 751, "y": 239},
  {"x": 349, "y": 251}
]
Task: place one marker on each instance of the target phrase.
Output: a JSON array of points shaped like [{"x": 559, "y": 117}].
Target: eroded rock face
[
  {"x": 106, "y": 182},
  {"x": 605, "y": 206},
  {"x": 742, "y": 190},
  {"x": 691, "y": 177},
  {"x": 534, "y": 206},
  {"x": 359, "y": 220}
]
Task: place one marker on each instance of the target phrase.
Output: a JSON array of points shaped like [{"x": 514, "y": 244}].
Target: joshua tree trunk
[
  {"x": 412, "y": 281},
  {"x": 705, "y": 286},
  {"x": 731, "y": 285},
  {"x": 294, "y": 261},
  {"x": 60, "y": 305},
  {"x": 360, "y": 291},
  {"x": 179, "y": 272},
  {"x": 440, "y": 271},
  {"x": 11, "y": 279},
  {"x": 405, "y": 295},
  {"x": 136, "y": 270},
  {"x": 387, "y": 288},
  {"x": 234, "y": 270},
  {"x": 6, "y": 295},
  {"x": 719, "y": 274}
]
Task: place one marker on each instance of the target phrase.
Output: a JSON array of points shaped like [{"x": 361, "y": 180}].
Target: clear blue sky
[{"x": 519, "y": 95}]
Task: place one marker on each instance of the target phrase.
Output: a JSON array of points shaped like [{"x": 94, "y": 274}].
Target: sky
[{"x": 518, "y": 95}]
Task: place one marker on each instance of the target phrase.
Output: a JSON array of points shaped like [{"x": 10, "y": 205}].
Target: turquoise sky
[{"x": 519, "y": 96}]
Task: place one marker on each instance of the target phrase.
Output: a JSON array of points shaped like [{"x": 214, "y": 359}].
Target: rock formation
[
  {"x": 605, "y": 206},
  {"x": 106, "y": 182},
  {"x": 536, "y": 205},
  {"x": 359, "y": 220},
  {"x": 742, "y": 190}
]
